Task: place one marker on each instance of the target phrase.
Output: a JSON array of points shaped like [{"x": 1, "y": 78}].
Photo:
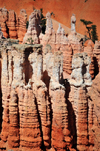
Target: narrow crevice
[
  {"x": 27, "y": 69},
  {"x": 18, "y": 114},
  {"x": 12, "y": 68},
  {"x": 96, "y": 67},
  {"x": 71, "y": 115},
  {"x": 40, "y": 123},
  {"x": 1, "y": 108},
  {"x": 46, "y": 79}
]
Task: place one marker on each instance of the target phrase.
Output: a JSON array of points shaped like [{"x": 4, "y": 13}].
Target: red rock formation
[
  {"x": 12, "y": 24},
  {"x": 21, "y": 25},
  {"x": 1, "y": 34},
  {"x": 89, "y": 51},
  {"x": 96, "y": 53},
  {"x": 50, "y": 35},
  {"x": 17, "y": 129},
  {"x": 3, "y": 21},
  {"x": 33, "y": 31},
  {"x": 80, "y": 79},
  {"x": 94, "y": 128},
  {"x": 42, "y": 110}
]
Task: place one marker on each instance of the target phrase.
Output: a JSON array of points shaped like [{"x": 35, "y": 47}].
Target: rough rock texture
[
  {"x": 12, "y": 24},
  {"x": 78, "y": 100},
  {"x": 34, "y": 29},
  {"x": 59, "y": 42},
  {"x": 30, "y": 91},
  {"x": 3, "y": 21},
  {"x": 96, "y": 53},
  {"x": 63, "y": 10},
  {"x": 80, "y": 74},
  {"x": 1, "y": 34},
  {"x": 21, "y": 24},
  {"x": 94, "y": 114},
  {"x": 41, "y": 109},
  {"x": 89, "y": 50},
  {"x": 50, "y": 34},
  {"x": 72, "y": 36}
]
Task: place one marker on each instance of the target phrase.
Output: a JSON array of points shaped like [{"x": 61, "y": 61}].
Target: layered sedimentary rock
[
  {"x": 96, "y": 53},
  {"x": 50, "y": 34},
  {"x": 78, "y": 100},
  {"x": 3, "y": 21},
  {"x": 29, "y": 99},
  {"x": 1, "y": 34},
  {"x": 21, "y": 25},
  {"x": 59, "y": 42},
  {"x": 41, "y": 109},
  {"x": 72, "y": 36},
  {"x": 12, "y": 25},
  {"x": 89, "y": 50},
  {"x": 34, "y": 29},
  {"x": 94, "y": 114}
]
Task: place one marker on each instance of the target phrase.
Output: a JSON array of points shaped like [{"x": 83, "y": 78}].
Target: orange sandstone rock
[
  {"x": 3, "y": 21},
  {"x": 21, "y": 24},
  {"x": 12, "y": 24},
  {"x": 89, "y": 51},
  {"x": 33, "y": 31}
]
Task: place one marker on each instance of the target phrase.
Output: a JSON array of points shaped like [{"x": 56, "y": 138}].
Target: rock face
[
  {"x": 21, "y": 24},
  {"x": 41, "y": 109},
  {"x": 30, "y": 91},
  {"x": 89, "y": 51},
  {"x": 3, "y": 21},
  {"x": 80, "y": 74},
  {"x": 94, "y": 114},
  {"x": 1, "y": 34},
  {"x": 78, "y": 100},
  {"x": 96, "y": 57},
  {"x": 12, "y": 25},
  {"x": 34, "y": 29}
]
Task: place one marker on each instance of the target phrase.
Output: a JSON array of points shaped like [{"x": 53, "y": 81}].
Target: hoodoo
[{"x": 49, "y": 87}]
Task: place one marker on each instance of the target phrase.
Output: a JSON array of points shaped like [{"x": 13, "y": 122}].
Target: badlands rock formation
[
  {"x": 3, "y": 21},
  {"x": 21, "y": 24},
  {"x": 48, "y": 101},
  {"x": 34, "y": 29},
  {"x": 13, "y": 26}
]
